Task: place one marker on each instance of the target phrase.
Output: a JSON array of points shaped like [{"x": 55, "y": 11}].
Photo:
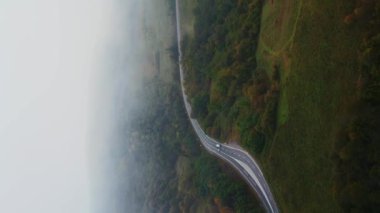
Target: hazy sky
[{"x": 50, "y": 55}]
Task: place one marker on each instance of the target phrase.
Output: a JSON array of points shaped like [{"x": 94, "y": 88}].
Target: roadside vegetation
[{"x": 232, "y": 97}]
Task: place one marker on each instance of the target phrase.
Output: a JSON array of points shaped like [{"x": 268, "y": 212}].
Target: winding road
[{"x": 235, "y": 156}]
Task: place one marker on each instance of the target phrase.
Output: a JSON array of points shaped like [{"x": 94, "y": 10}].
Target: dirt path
[{"x": 279, "y": 26}]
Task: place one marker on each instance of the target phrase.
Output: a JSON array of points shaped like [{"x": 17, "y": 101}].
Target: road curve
[{"x": 235, "y": 156}]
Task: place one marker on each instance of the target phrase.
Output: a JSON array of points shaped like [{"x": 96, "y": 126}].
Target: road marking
[{"x": 252, "y": 174}]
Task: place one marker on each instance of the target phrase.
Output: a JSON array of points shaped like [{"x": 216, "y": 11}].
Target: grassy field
[{"x": 316, "y": 53}]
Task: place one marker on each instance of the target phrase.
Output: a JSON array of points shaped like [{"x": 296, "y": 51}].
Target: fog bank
[{"x": 51, "y": 57}]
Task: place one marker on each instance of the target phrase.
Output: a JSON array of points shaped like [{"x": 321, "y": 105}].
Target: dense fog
[{"x": 68, "y": 70}]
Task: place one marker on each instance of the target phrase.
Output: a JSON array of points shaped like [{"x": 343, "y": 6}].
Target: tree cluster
[
  {"x": 356, "y": 152},
  {"x": 227, "y": 90}
]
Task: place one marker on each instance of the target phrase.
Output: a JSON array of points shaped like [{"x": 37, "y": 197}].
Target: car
[{"x": 217, "y": 145}]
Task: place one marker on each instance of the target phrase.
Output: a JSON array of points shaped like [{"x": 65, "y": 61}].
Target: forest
[{"x": 233, "y": 99}]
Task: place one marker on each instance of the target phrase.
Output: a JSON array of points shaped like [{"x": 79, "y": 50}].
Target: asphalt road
[{"x": 235, "y": 156}]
